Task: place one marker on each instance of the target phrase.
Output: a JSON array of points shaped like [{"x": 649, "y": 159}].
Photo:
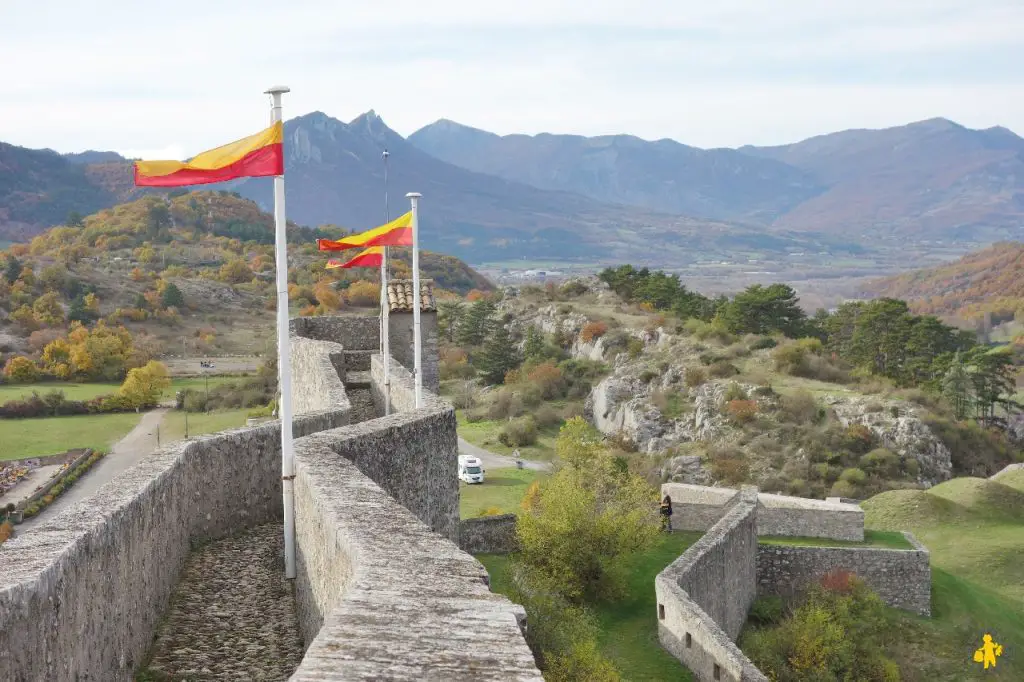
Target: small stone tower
[{"x": 400, "y": 328}]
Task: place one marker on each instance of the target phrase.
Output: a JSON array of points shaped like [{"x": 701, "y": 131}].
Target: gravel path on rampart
[{"x": 232, "y": 615}]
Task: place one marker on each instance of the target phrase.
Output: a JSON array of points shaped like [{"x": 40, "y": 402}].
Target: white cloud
[{"x": 104, "y": 75}]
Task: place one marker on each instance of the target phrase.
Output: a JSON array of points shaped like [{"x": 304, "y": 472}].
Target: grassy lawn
[
  {"x": 85, "y": 391},
  {"x": 872, "y": 538},
  {"x": 974, "y": 529},
  {"x": 502, "y": 488},
  {"x": 629, "y": 630},
  {"x": 484, "y": 434},
  {"x": 23, "y": 438},
  {"x": 200, "y": 423}
]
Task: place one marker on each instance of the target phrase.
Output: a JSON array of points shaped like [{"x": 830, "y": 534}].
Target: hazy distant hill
[
  {"x": 932, "y": 179},
  {"x": 335, "y": 174},
  {"x": 663, "y": 175},
  {"x": 991, "y": 279}
]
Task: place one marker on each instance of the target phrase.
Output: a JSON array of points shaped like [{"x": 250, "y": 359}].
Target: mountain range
[{"x": 490, "y": 198}]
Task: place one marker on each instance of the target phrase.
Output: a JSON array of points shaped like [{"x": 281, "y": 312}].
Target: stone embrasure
[{"x": 232, "y": 616}]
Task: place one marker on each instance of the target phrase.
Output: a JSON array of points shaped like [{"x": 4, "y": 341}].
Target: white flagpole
[
  {"x": 414, "y": 197},
  {"x": 385, "y": 304},
  {"x": 284, "y": 365}
]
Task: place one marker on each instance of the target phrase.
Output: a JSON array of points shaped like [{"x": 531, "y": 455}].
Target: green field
[
  {"x": 86, "y": 391},
  {"x": 200, "y": 423},
  {"x": 872, "y": 538},
  {"x": 502, "y": 488},
  {"x": 629, "y": 628},
  {"x": 484, "y": 434},
  {"x": 974, "y": 529},
  {"x": 23, "y": 438}
]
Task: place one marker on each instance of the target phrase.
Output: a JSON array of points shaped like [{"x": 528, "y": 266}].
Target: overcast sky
[{"x": 167, "y": 80}]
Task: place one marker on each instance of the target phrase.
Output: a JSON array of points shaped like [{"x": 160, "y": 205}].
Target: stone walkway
[{"x": 232, "y": 615}]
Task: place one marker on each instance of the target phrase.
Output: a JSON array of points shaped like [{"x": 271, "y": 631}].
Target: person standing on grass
[{"x": 666, "y": 514}]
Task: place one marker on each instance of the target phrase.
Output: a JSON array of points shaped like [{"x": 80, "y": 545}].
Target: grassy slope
[
  {"x": 57, "y": 434},
  {"x": 629, "y": 630},
  {"x": 974, "y": 529},
  {"x": 502, "y": 488}
]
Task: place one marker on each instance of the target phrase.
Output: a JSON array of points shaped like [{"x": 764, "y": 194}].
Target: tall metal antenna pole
[{"x": 385, "y": 304}]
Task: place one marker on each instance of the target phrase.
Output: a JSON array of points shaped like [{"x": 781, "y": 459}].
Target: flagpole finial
[
  {"x": 413, "y": 195},
  {"x": 277, "y": 90}
]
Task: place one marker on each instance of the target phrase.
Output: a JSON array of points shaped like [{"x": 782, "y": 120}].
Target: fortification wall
[
  {"x": 902, "y": 578},
  {"x": 353, "y": 332},
  {"x": 704, "y": 595},
  {"x": 489, "y": 535},
  {"x": 380, "y": 596},
  {"x": 698, "y": 508},
  {"x": 400, "y": 337},
  {"x": 318, "y": 370},
  {"x": 81, "y": 593}
]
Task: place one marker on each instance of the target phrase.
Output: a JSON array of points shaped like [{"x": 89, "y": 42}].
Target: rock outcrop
[{"x": 898, "y": 427}]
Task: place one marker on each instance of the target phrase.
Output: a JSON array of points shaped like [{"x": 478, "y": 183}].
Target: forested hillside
[
  {"x": 188, "y": 273},
  {"x": 990, "y": 280}
]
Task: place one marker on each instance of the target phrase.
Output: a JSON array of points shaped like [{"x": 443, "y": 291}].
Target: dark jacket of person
[{"x": 666, "y": 506}]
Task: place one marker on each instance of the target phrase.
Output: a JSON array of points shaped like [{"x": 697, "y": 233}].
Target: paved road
[
  {"x": 139, "y": 442},
  {"x": 496, "y": 461}
]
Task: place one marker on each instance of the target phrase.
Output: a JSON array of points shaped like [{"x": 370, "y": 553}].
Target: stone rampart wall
[
  {"x": 318, "y": 370},
  {"x": 704, "y": 595},
  {"x": 81, "y": 593},
  {"x": 489, "y": 535},
  {"x": 698, "y": 508},
  {"x": 353, "y": 332},
  {"x": 382, "y": 597},
  {"x": 902, "y": 578}
]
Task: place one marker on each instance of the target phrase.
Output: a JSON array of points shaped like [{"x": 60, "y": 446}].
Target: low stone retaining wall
[
  {"x": 353, "y": 332},
  {"x": 698, "y": 508},
  {"x": 489, "y": 535},
  {"x": 902, "y": 578},
  {"x": 704, "y": 595}
]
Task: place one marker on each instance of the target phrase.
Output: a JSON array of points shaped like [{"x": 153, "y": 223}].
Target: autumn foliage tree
[
  {"x": 144, "y": 385},
  {"x": 21, "y": 369}
]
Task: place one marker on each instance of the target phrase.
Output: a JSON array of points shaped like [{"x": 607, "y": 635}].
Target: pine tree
[
  {"x": 172, "y": 297},
  {"x": 476, "y": 324},
  {"x": 449, "y": 317},
  {"x": 498, "y": 357},
  {"x": 534, "y": 348}
]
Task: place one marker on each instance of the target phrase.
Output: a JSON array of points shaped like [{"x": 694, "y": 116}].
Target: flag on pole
[
  {"x": 396, "y": 233},
  {"x": 368, "y": 258},
  {"x": 254, "y": 156}
]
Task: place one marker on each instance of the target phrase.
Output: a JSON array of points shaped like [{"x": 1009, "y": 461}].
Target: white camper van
[{"x": 471, "y": 469}]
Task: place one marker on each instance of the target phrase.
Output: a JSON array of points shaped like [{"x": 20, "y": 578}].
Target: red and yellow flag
[
  {"x": 254, "y": 156},
  {"x": 396, "y": 233},
  {"x": 368, "y": 258}
]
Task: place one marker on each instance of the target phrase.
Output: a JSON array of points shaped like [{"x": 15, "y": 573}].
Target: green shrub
[
  {"x": 695, "y": 376},
  {"x": 882, "y": 463},
  {"x": 853, "y": 476},
  {"x": 723, "y": 369},
  {"x": 506, "y": 404},
  {"x": 735, "y": 392},
  {"x": 763, "y": 342},
  {"x": 648, "y": 375},
  {"x": 975, "y": 450},
  {"x": 519, "y": 432},
  {"x": 547, "y": 416},
  {"x": 801, "y": 407},
  {"x": 767, "y": 610},
  {"x": 671, "y": 404},
  {"x": 844, "y": 489},
  {"x": 708, "y": 330},
  {"x": 835, "y": 633}
]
